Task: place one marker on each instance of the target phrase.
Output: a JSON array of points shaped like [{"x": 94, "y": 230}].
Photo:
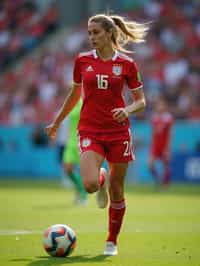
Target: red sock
[
  {"x": 116, "y": 214},
  {"x": 101, "y": 180}
]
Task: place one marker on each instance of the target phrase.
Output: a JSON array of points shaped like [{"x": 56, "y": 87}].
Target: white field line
[{"x": 19, "y": 232}]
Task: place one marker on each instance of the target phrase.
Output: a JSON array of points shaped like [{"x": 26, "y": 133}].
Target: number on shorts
[{"x": 127, "y": 151}]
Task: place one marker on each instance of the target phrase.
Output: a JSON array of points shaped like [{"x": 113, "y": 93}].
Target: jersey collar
[{"x": 113, "y": 58}]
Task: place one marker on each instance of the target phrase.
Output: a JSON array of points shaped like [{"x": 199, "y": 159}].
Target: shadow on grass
[{"x": 49, "y": 261}]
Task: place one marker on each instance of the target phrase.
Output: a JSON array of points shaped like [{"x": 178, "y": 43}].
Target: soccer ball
[{"x": 59, "y": 240}]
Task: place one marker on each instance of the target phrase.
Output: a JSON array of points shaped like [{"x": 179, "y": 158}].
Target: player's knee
[
  {"x": 69, "y": 172},
  {"x": 90, "y": 186},
  {"x": 68, "y": 169},
  {"x": 116, "y": 190}
]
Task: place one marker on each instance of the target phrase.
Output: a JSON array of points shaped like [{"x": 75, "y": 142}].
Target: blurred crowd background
[{"x": 39, "y": 40}]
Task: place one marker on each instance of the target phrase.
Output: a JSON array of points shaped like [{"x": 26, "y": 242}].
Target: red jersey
[
  {"x": 161, "y": 126},
  {"x": 102, "y": 85}
]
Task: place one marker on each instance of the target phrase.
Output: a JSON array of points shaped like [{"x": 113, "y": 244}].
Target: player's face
[{"x": 98, "y": 37}]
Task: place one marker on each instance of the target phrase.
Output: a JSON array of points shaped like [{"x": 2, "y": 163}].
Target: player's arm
[
  {"x": 134, "y": 82},
  {"x": 138, "y": 104},
  {"x": 69, "y": 103}
]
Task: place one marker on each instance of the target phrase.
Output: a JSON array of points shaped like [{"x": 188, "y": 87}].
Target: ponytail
[{"x": 123, "y": 31}]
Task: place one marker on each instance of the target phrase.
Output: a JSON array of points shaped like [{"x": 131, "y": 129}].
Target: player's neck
[{"x": 106, "y": 53}]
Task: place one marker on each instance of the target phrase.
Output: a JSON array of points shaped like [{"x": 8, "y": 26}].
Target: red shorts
[
  {"x": 160, "y": 153},
  {"x": 118, "y": 150}
]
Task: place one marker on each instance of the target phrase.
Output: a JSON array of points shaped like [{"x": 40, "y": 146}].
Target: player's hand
[
  {"x": 119, "y": 114},
  {"x": 51, "y": 131}
]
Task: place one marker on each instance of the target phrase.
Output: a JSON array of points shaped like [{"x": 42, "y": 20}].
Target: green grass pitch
[{"x": 160, "y": 228}]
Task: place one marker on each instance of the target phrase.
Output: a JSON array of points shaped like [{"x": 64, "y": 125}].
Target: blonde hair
[{"x": 123, "y": 31}]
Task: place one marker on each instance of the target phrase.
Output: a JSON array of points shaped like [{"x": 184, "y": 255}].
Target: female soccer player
[
  {"x": 161, "y": 123},
  {"x": 104, "y": 128}
]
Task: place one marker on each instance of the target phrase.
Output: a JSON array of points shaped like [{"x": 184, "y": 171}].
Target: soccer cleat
[
  {"x": 102, "y": 194},
  {"x": 110, "y": 249}
]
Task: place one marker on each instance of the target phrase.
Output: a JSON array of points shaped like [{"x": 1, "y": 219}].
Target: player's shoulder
[
  {"x": 125, "y": 57},
  {"x": 86, "y": 54}
]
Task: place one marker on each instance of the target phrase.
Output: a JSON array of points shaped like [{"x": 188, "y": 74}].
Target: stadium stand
[
  {"x": 23, "y": 25},
  {"x": 169, "y": 60}
]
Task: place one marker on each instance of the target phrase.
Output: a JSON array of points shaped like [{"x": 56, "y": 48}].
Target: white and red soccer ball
[{"x": 59, "y": 240}]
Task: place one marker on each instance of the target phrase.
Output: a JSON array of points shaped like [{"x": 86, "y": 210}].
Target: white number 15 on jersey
[{"x": 102, "y": 81}]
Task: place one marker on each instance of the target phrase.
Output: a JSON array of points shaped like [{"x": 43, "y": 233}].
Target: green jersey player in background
[{"x": 71, "y": 158}]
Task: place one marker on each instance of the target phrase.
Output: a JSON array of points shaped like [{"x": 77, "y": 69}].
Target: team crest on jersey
[
  {"x": 117, "y": 70},
  {"x": 86, "y": 142}
]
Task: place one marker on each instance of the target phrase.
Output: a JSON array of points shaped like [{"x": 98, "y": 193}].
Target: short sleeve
[
  {"x": 133, "y": 78},
  {"x": 77, "y": 78}
]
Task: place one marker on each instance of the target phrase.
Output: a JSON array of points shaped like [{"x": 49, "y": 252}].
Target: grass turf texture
[{"x": 160, "y": 228}]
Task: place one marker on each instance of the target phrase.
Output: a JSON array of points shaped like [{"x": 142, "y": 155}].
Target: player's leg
[
  {"x": 90, "y": 164},
  {"x": 153, "y": 170},
  {"x": 76, "y": 179},
  {"x": 70, "y": 160},
  {"x": 166, "y": 169},
  {"x": 61, "y": 150},
  {"x": 119, "y": 154},
  {"x": 117, "y": 205},
  {"x": 92, "y": 155},
  {"x": 102, "y": 193}
]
